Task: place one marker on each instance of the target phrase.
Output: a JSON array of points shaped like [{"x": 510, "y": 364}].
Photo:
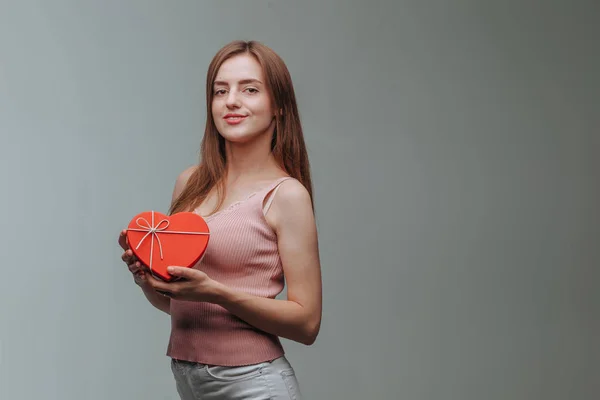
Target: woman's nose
[{"x": 232, "y": 99}]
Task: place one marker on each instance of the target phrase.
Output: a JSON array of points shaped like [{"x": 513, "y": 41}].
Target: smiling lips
[{"x": 234, "y": 119}]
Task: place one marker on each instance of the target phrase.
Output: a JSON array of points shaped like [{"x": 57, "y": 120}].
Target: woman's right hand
[{"x": 135, "y": 267}]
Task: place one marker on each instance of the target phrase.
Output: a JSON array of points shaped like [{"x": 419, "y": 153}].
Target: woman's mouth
[{"x": 234, "y": 119}]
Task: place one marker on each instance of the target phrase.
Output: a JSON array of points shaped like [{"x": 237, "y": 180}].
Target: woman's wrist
[{"x": 221, "y": 294}]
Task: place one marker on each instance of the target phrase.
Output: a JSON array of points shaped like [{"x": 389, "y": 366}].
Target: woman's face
[{"x": 241, "y": 106}]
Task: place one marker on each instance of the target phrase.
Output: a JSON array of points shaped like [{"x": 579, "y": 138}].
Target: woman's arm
[{"x": 299, "y": 317}]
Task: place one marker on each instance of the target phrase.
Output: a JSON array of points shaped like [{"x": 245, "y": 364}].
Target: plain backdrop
[{"x": 454, "y": 149}]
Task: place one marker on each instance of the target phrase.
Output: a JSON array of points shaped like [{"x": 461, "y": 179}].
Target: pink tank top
[{"x": 242, "y": 254}]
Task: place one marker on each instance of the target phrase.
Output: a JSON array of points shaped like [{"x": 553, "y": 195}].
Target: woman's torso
[{"x": 242, "y": 254}]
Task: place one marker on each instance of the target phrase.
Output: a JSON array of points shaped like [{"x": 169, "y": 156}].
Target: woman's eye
[
  {"x": 252, "y": 90},
  {"x": 220, "y": 91}
]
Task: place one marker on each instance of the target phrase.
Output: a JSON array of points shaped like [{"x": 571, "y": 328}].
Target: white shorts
[{"x": 271, "y": 380}]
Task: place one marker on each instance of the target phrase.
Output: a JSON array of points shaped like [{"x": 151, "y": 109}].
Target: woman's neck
[{"x": 249, "y": 161}]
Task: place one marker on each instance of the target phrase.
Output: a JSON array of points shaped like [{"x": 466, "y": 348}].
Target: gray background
[{"x": 454, "y": 147}]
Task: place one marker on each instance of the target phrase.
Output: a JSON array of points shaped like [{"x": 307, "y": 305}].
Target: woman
[{"x": 253, "y": 188}]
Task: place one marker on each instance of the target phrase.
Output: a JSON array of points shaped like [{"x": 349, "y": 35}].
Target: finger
[
  {"x": 126, "y": 254},
  {"x": 152, "y": 279},
  {"x": 162, "y": 286},
  {"x": 139, "y": 280},
  {"x": 129, "y": 261},
  {"x": 123, "y": 242},
  {"x": 136, "y": 265},
  {"x": 157, "y": 284},
  {"x": 182, "y": 272},
  {"x": 127, "y": 257},
  {"x": 140, "y": 276}
]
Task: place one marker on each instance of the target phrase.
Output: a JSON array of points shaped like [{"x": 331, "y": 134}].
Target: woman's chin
[
  {"x": 235, "y": 137},
  {"x": 241, "y": 137}
]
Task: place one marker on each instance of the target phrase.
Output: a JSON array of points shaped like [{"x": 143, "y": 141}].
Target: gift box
[{"x": 159, "y": 241}]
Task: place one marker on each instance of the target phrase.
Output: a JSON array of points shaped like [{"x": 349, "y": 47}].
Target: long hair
[{"x": 287, "y": 144}]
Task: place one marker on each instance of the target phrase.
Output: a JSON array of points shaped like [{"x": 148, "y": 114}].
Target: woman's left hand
[{"x": 194, "y": 285}]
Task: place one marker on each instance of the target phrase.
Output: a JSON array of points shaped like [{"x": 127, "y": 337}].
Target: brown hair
[{"x": 287, "y": 145}]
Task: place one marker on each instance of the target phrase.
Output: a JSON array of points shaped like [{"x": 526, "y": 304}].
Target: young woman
[{"x": 253, "y": 188}]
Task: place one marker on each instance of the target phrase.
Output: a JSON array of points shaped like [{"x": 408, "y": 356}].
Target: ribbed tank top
[{"x": 242, "y": 254}]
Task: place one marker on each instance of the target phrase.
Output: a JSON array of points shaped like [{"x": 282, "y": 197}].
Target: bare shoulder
[
  {"x": 185, "y": 174},
  {"x": 292, "y": 193},
  {"x": 291, "y": 204},
  {"x": 182, "y": 180}
]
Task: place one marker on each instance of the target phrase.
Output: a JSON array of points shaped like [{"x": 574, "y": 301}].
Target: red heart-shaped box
[{"x": 160, "y": 241}]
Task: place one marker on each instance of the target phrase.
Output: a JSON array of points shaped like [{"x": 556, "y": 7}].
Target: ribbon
[{"x": 153, "y": 230}]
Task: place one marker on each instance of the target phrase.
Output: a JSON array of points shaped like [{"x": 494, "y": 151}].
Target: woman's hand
[
  {"x": 135, "y": 267},
  {"x": 194, "y": 285}
]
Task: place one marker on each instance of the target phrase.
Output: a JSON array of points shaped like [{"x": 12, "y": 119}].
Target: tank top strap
[{"x": 273, "y": 187}]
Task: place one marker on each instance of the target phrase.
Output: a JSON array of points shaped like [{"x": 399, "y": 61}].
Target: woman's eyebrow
[{"x": 242, "y": 82}]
